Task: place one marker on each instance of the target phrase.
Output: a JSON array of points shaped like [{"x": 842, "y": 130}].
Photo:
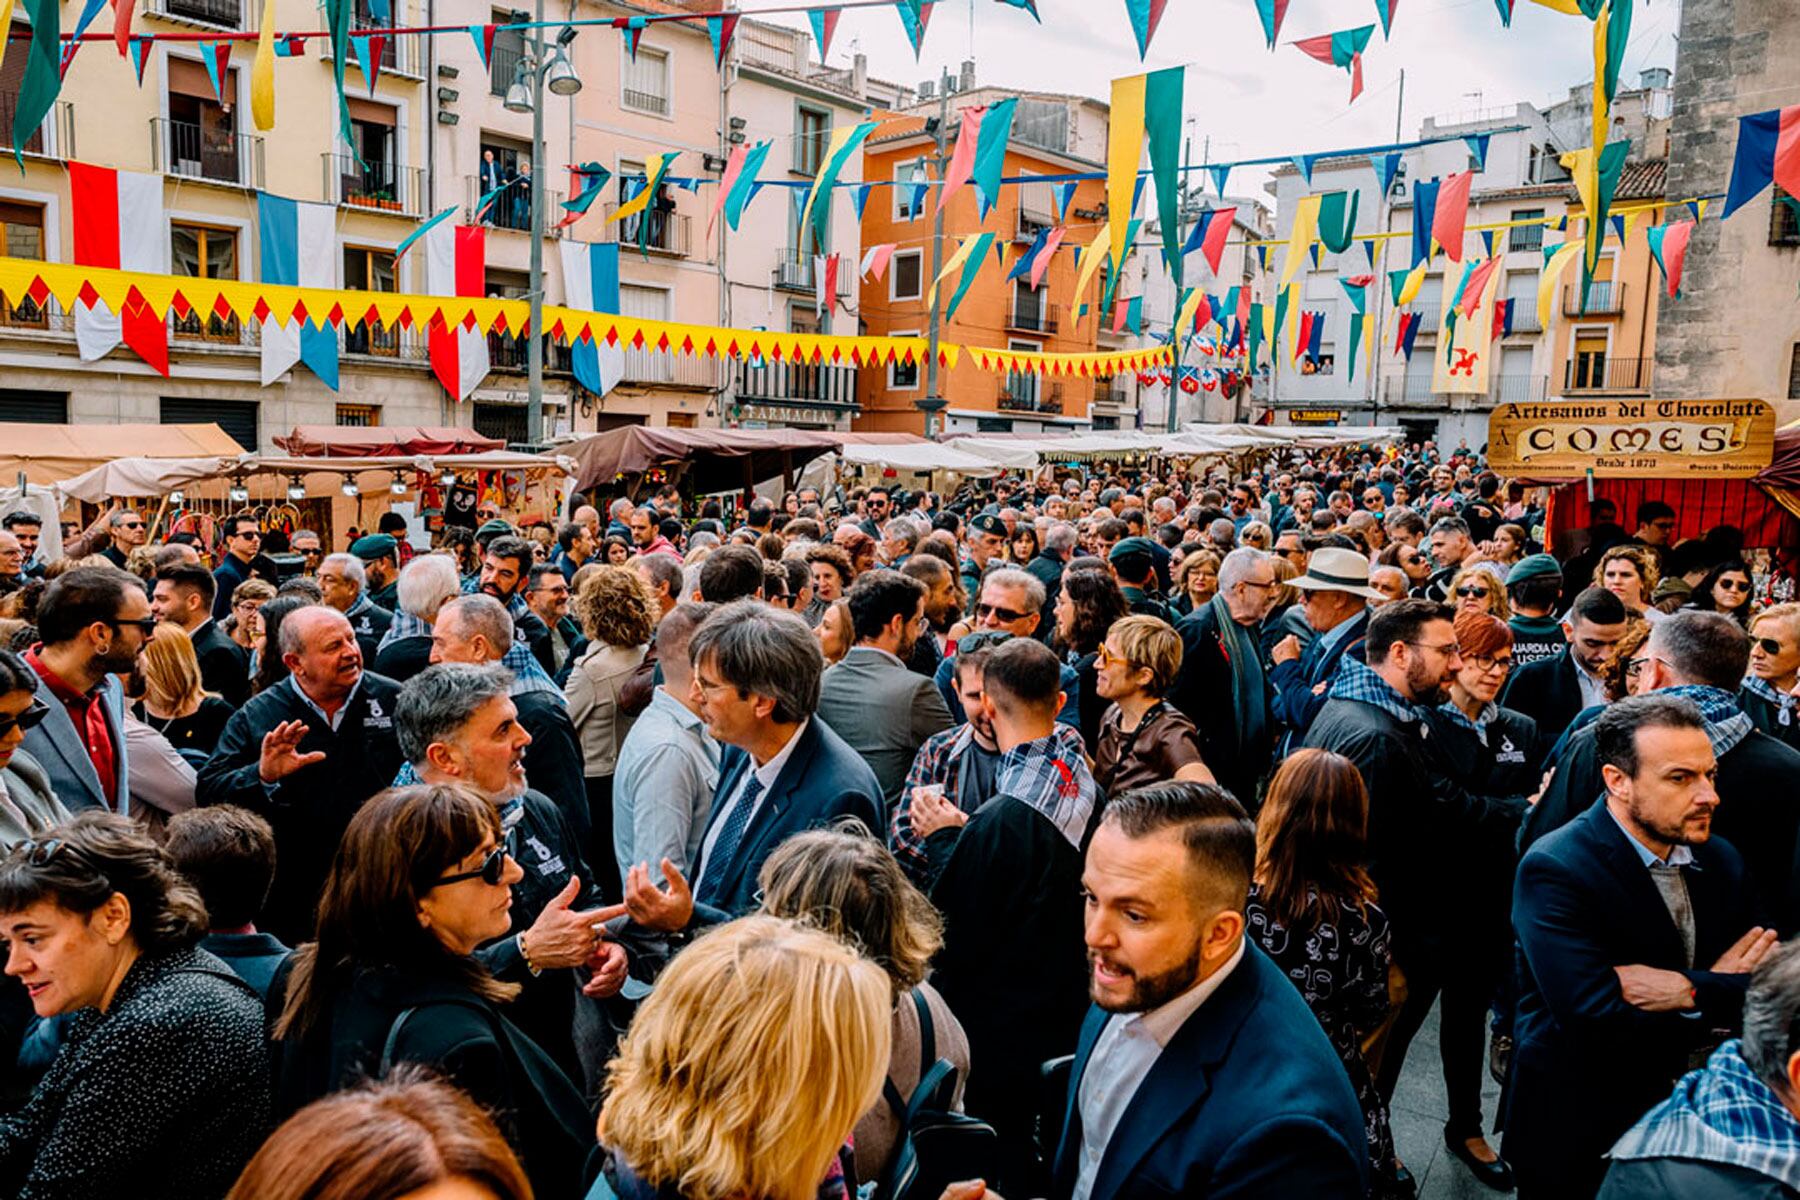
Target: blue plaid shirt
[
  {"x": 1727, "y": 723},
  {"x": 1722, "y": 1113},
  {"x": 1051, "y": 775}
]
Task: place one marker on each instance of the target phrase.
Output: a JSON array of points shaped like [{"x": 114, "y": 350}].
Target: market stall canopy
[
  {"x": 372, "y": 441},
  {"x": 712, "y": 460},
  {"x": 52, "y": 453},
  {"x": 921, "y": 455},
  {"x": 142, "y": 477}
]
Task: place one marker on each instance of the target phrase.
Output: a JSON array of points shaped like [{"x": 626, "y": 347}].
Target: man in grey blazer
[
  {"x": 95, "y": 621},
  {"x": 870, "y": 699}
]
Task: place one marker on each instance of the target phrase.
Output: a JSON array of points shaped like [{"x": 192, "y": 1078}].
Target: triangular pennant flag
[
  {"x": 587, "y": 181},
  {"x": 1272, "y": 13},
  {"x": 1163, "y": 106},
  {"x": 990, "y": 153},
  {"x": 1041, "y": 262},
  {"x": 824, "y": 27},
  {"x": 1303, "y": 163},
  {"x": 139, "y": 45},
  {"x": 1506, "y": 12},
  {"x": 1386, "y": 166},
  {"x": 1385, "y": 10},
  {"x": 1357, "y": 322},
  {"x": 1337, "y": 219},
  {"x": 1698, "y": 209},
  {"x": 483, "y": 36},
  {"x": 915, "y": 15},
  {"x": 1145, "y": 16},
  {"x": 368, "y": 47},
  {"x": 1450, "y": 213},
  {"x": 1409, "y": 332},
  {"x": 1220, "y": 174},
  {"x": 1768, "y": 151},
  {"x": 1313, "y": 250},
  {"x": 216, "y": 56},
  {"x": 1124, "y": 151},
  {"x": 844, "y": 142},
  {"x": 1668, "y": 245},
  {"x": 1555, "y": 264},
  {"x": 1487, "y": 242},
  {"x": 1063, "y": 195},
  {"x": 1305, "y": 227},
  {"x": 1478, "y": 148},
  {"x": 859, "y": 198},
  {"x": 1424, "y": 213},
  {"x": 1356, "y": 287},
  {"x": 1341, "y": 49},
  {"x": 1618, "y": 226},
  {"x": 633, "y": 34},
  {"x": 1208, "y": 235},
  {"x": 875, "y": 261},
  {"x": 1029, "y": 6},
  {"x": 1023, "y": 266},
  {"x": 719, "y": 30}
]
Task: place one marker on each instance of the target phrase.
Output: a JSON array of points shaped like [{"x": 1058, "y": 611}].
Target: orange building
[
  {"x": 1607, "y": 346},
  {"x": 1052, "y": 135}
]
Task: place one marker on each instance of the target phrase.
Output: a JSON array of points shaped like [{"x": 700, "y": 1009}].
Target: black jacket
[
  {"x": 1047, "y": 569},
  {"x": 529, "y": 628},
  {"x": 311, "y": 808},
  {"x": 1757, "y": 813},
  {"x": 224, "y": 665},
  {"x": 1504, "y": 766},
  {"x": 368, "y": 621},
  {"x": 553, "y": 761},
  {"x": 1767, "y": 718},
  {"x": 1297, "y": 682},
  {"x": 402, "y": 658},
  {"x": 1203, "y": 692},
  {"x": 1548, "y": 692}
]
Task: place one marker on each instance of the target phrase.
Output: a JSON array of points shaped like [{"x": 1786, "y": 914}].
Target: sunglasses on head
[
  {"x": 31, "y": 718},
  {"x": 48, "y": 851},
  {"x": 490, "y": 872}
]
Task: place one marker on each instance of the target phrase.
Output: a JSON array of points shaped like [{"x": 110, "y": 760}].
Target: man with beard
[
  {"x": 870, "y": 698},
  {"x": 505, "y": 574},
  {"x": 380, "y": 556},
  {"x": 1372, "y": 718},
  {"x": 1201, "y": 1071},
  {"x": 943, "y": 608},
  {"x": 94, "y": 621}
]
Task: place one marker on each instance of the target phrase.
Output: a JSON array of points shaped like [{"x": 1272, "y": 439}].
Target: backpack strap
[
  {"x": 927, "y": 1032},
  {"x": 393, "y": 1040}
]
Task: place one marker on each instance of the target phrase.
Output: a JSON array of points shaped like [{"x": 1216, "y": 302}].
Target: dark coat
[
  {"x": 369, "y": 621},
  {"x": 1505, "y": 766},
  {"x": 529, "y": 628},
  {"x": 1047, "y": 569},
  {"x": 1547, "y": 692},
  {"x": 1690, "y": 1179},
  {"x": 553, "y": 761},
  {"x": 823, "y": 779},
  {"x": 402, "y": 658},
  {"x": 252, "y": 957},
  {"x": 1756, "y": 814},
  {"x": 1247, "y": 1099},
  {"x": 311, "y": 808},
  {"x": 1767, "y": 718},
  {"x": 1298, "y": 696},
  {"x": 1203, "y": 692},
  {"x": 461, "y": 1036},
  {"x": 224, "y": 665},
  {"x": 226, "y": 577},
  {"x": 1586, "y": 1064}
]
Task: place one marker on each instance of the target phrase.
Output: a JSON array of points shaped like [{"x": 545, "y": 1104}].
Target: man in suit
[
  {"x": 1553, "y": 690},
  {"x": 95, "y": 621},
  {"x": 1337, "y": 595},
  {"x": 756, "y": 673},
  {"x": 1636, "y": 939},
  {"x": 343, "y": 584},
  {"x": 243, "y": 543},
  {"x": 881, "y": 709},
  {"x": 1201, "y": 1071},
  {"x": 1221, "y": 687},
  {"x": 184, "y": 596}
]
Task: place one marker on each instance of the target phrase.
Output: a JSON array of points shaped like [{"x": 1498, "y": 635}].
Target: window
[
  {"x": 1784, "y": 219},
  {"x": 30, "y": 406},
  {"x": 1326, "y": 363},
  {"x": 903, "y": 376},
  {"x": 906, "y": 174},
  {"x": 204, "y": 252},
  {"x": 504, "y": 421},
  {"x": 236, "y": 417},
  {"x": 370, "y": 270},
  {"x": 646, "y": 81},
  {"x": 508, "y": 53},
  {"x": 22, "y": 231},
  {"x": 359, "y": 416},
  {"x": 199, "y": 140},
  {"x": 370, "y": 175},
  {"x": 12, "y": 78},
  {"x": 650, "y": 304},
  {"x": 1589, "y": 365},
  {"x": 223, "y": 13},
  {"x": 501, "y": 163},
  {"x": 1526, "y": 237},
  {"x": 1036, "y": 207},
  {"x": 812, "y": 133},
  {"x": 507, "y": 351},
  {"x": 1322, "y": 284},
  {"x": 1029, "y": 310},
  {"x": 1794, "y": 374},
  {"x": 906, "y": 275}
]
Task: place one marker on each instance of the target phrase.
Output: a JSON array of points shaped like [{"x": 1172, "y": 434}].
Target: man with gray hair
[
  {"x": 1221, "y": 686},
  {"x": 899, "y": 538},
  {"x": 477, "y": 629},
  {"x": 342, "y": 584},
  {"x": 1010, "y": 601},
  {"x": 1046, "y": 567}
]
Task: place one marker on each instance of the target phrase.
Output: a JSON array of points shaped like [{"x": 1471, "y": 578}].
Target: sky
[{"x": 1251, "y": 102}]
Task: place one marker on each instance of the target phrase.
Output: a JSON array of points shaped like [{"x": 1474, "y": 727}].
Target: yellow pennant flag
[
  {"x": 1185, "y": 318},
  {"x": 955, "y": 264},
  {"x": 262, "y": 70},
  {"x": 654, "y": 168},
  {"x": 1124, "y": 152},
  {"x": 6, "y": 12},
  {"x": 1306, "y": 227},
  {"x": 1559, "y": 261},
  {"x": 1090, "y": 262},
  {"x": 1602, "y": 107},
  {"x": 1415, "y": 279},
  {"x": 1563, "y": 6},
  {"x": 840, "y": 137}
]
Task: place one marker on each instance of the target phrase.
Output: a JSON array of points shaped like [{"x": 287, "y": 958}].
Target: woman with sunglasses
[
  {"x": 1769, "y": 689},
  {"x": 422, "y": 878},
  {"x": 161, "y": 1085},
  {"x": 1478, "y": 589},
  {"x": 1726, "y": 588},
  {"x": 28, "y": 804},
  {"x": 1411, "y": 561}
]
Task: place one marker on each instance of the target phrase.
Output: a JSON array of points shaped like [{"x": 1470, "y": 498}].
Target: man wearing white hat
[{"x": 1338, "y": 595}]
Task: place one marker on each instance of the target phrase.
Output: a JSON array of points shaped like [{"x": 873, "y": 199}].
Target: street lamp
[{"x": 538, "y": 70}]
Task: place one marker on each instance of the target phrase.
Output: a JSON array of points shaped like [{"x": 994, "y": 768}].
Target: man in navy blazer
[
  {"x": 756, "y": 670},
  {"x": 1336, "y": 602},
  {"x": 1201, "y": 1071},
  {"x": 1553, "y": 690},
  {"x": 1636, "y": 937}
]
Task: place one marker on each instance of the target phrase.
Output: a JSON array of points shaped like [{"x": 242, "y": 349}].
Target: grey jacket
[
  {"x": 883, "y": 710},
  {"x": 59, "y": 749},
  {"x": 28, "y": 806}
]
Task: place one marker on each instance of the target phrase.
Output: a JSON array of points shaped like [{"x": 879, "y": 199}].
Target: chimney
[
  {"x": 1653, "y": 78},
  {"x": 966, "y": 82},
  {"x": 859, "y": 74}
]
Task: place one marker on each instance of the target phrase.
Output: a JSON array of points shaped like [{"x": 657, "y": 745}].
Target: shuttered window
[{"x": 238, "y": 418}]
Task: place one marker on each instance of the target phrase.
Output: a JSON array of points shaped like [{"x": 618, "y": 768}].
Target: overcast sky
[{"x": 1253, "y": 102}]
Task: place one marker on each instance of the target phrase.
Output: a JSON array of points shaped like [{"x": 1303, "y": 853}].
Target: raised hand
[
  {"x": 281, "y": 755},
  {"x": 652, "y": 907},
  {"x": 563, "y": 937}
]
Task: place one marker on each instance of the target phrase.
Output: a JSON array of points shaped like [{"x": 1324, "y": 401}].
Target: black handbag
[{"x": 937, "y": 1145}]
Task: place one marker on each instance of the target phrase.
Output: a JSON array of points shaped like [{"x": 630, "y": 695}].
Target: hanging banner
[
  {"x": 1460, "y": 365},
  {"x": 1659, "y": 439}
]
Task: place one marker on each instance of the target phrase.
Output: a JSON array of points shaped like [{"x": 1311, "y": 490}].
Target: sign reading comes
[{"x": 1656, "y": 439}]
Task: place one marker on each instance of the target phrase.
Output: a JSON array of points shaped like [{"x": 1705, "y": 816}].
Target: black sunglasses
[
  {"x": 490, "y": 872},
  {"x": 1469, "y": 592},
  {"x": 1769, "y": 645},
  {"x": 46, "y": 852},
  {"x": 1732, "y": 585},
  {"x": 31, "y": 718},
  {"x": 144, "y": 625},
  {"x": 1007, "y": 615}
]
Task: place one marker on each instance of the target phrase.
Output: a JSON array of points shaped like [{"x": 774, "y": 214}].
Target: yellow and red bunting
[{"x": 1084, "y": 366}]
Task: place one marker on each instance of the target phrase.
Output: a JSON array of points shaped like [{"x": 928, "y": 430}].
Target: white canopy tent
[{"x": 136, "y": 478}]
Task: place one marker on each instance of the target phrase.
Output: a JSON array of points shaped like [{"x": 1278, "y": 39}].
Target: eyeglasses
[
  {"x": 1470, "y": 592},
  {"x": 1769, "y": 646},
  {"x": 1732, "y": 585},
  {"x": 1107, "y": 658},
  {"x": 1635, "y": 667},
  {"x": 1486, "y": 664},
  {"x": 144, "y": 625},
  {"x": 1003, "y": 615},
  {"x": 31, "y": 718},
  {"x": 1447, "y": 649},
  {"x": 490, "y": 872}
]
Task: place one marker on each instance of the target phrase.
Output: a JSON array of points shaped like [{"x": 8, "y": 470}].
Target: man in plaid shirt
[{"x": 964, "y": 759}]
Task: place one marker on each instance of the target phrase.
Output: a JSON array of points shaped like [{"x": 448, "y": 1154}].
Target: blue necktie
[{"x": 718, "y": 863}]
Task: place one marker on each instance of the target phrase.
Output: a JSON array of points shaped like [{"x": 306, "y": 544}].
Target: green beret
[
  {"x": 375, "y": 546},
  {"x": 1533, "y": 566}
]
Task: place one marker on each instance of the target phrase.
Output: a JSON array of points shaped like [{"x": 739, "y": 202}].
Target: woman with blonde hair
[
  {"x": 749, "y": 1065},
  {"x": 1630, "y": 572},
  {"x": 1769, "y": 692},
  {"x": 1478, "y": 588},
  {"x": 175, "y": 704}
]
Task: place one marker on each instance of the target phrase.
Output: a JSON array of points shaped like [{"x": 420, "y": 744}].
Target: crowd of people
[{"x": 1100, "y": 834}]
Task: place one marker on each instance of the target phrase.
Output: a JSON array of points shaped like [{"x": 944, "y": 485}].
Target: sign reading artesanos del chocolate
[{"x": 1645, "y": 438}]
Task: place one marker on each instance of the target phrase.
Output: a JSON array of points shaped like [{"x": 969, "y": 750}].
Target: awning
[
  {"x": 138, "y": 477},
  {"x": 712, "y": 460},
  {"x": 340, "y": 441},
  {"x": 52, "y": 453},
  {"x": 925, "y": 456}
]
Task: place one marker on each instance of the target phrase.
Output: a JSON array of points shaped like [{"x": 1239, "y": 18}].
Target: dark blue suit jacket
[
  {"x": 1247, "y": 1099},
  {"x": 1548, "y": 692},
  {"x": 1586, "y": 1064},
  {"x": 1295, "y": 704},
  {"x": 823, "y": 779}
]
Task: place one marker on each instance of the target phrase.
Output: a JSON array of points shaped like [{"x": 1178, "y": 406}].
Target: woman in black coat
[
  {"x": 1086, "y": 607},
  {"x": 421, "y": 879},
  {"x": 161, "y": 1086}
]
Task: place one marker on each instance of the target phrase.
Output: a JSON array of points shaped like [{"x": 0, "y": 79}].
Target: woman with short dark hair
[
  {"x": 1087, "y": 606},
  {"x": 161, "y": 1086}
]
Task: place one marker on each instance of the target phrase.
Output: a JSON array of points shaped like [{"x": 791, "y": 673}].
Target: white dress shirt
[
  {"x": 1124, "y": 1054},
  {"x": 1593, "y": 688},
  {"x": 766, "y": 775}
]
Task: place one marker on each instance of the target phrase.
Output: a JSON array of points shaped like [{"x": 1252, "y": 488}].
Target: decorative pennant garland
[{"x": 1341, "y": 49}]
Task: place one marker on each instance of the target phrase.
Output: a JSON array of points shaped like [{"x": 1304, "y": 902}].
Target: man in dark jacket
[
  {"x": 1047, "y": 568},
  {"x": 243, "y": 542},
  {"x": 342, "y": 582},
  {"x": 1135, "y": 568},
  {"x": 184, "y": 596},
  {"x": 1636, "y": 939},
  {"x": 306, "y": 754},
  {"x": 505, "y": 573},
  {"x": 1221, "y": 687},
  {"x": 1337, "y": 595},
  {"x": 1552, "y": 690}
]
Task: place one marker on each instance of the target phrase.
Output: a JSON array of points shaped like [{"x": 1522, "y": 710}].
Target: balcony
[
  {"x": 1525, "y": 318},
  {"x": 1590, "y": 374},
  {"x": 1604, "y": 299},
  {"x": 1516, "y": 389},
  {"x": 1111, "y": 400},
  {"x": 1409, "y": 391},
  {"x": 670, "y": 233},
  {"x": 507, "y": 352},
  {"x": 399, "y": 55},
  {"x": 512, "y": 210},
  {"x": 213, "y": 14},
  {"x": 1031, "y": 224},
  {"x": 55, "y": 138},
  {"x": 215, "y": 154},
  {"x": 375, "y": 185},
  {"x": 1034, "y": 318},
  {"x": 794, "y": 383},
  {"x": 656, "y": 368},
  {"x": 503, "y": 66},
  {"x": 794, "y": 273},
  {"x": 655, "y": 103},
  {"x": 1021, "y": 393}
]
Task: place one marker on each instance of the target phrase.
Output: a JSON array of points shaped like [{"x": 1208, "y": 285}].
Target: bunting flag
[
  {"x": 118, "y": 224},
  {"x": 824, "y": 28},
  {"x": 845, "y": 142},
  {"x": 1193, "y": 312},
  {"x": 1124, "y": 150},
  {"x": 381, "y": 12},
  {"x": 1023, "y": 266},
  {"x": 1145, "y": 16},
  {"x": 1596, "y": 178},
  {"x": 977, "y": 248},
  {"x": 1403, "y": 286},
  {"x": 1303, "y": 341},
  {"x": 262, "y": 67},
  {"x": 1315, "y": 337},
  {"x": 734, "y": 197},
  {"x": 655, "y": 167},
  {"x": 1063, "y": 195},
  {"x": 1278, "y": 320},
  {"x": 1251, "y": 335},
  {"x": 1386, "y": 167},
  {"x": 1506, "y": 11},
  {"x": 1501, "y": 326},
  {"x": 1668, "y": 246},
  {"x": 859, "y": 199},
  {"x": 1450, "y": 213},
  {"x": 1113, "y": 276},
  {"x": 1220, "y": 174},
  {"x": 1041, "y": 262},
  {"x": 915, "y": 15},
  {"x": 1272, "y": 14},
  {"x": 1408, "y": 334},
  {"x": 1768, "y": 151},
  {"x": 43, "y": 75},
  {"x": 1163, "y": 106},
  {"x": 825, "y": 271},
  {"x": 1337, "y": 220},
  {"x": 990, "y": 152},
  {"x": 1303, "y": 163},
  {"x": 1698, "y": 209},
  {"x": 1555, "y": 264},
  {"x": 719, "y": 30},
  {"x": 1424, "y": 215},
  {"x": 456, "y": 265},
  {"x": 1208, "y": 235},
  {"x": 424, "y": 228},
  {"x": 1487, "y": 242},
  {"x": 367, "y": 47},
  {"x": 140, "y": 57},
  {"x": 728, "y": 182},
  {"x": 875, "y": 261},
  {"x": 122, "y": 10},
  {"x": 484, "y": 41},
  {"x": 591, "y": 284},
  {"x": 1128, "y": 316},
  {"x": 1356, "y": 287},
  {"x": 1478, "y": 149},
  {"x": 1358, "y": 322},
  {"x": 1088, "y": 261},
  {"x": 633, "y": 33},
  {"x": 1029, "y": 6},
  {"x": 1341, "y": 49},
  {"x": 1305, "y": 228},
  {"x": 1385, "y": 10},
  {"x": 1475, "y": 286},
  {"x": 338, "y": 19},
  {"x": 587, "y": 181},
  {"x": 299, "y": 249}
]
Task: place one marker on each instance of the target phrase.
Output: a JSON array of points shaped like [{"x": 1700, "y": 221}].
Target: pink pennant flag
[
  {"x": 1120, "y": 308},
  {"x": 1478, "y": 281},
  {"x": 734, "y": 166},
  {"x": 122, "y": 28},
  {"x": 875, "y": 262},
  {"x": 1452, "y": 213},
  {"x": 1213, "y": 244},
  {"x": 962, "y": 159},
  {"x": 1051, "y": 241}
]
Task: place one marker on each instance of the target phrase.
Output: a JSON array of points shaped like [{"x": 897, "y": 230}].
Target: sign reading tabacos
[{"x": 1653, "y": 439}]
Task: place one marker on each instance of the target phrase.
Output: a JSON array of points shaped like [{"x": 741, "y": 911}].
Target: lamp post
[{"x": 552, "y": 70}]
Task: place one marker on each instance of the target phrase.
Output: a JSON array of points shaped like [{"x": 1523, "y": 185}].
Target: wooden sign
[{"x": 1645, "y": 439}]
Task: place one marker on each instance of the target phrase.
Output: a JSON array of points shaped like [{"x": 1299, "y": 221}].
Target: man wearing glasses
[
  {"x": 1010, "y": 601},
  {"x": 95, "y": 622},
  {"x": 128, "y": 532},
  {"x": 1221, "y": 686},
  {"x": 243, "y": 542}
]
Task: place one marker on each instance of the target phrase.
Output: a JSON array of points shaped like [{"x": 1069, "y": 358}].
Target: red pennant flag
[
  {"x": 1452, "y": 213},
  {"x": 122, "y": 28}
]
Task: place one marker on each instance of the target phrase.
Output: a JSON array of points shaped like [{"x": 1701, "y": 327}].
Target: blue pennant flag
[
  {"x": 918, "y": 196},
  {"x": 859, "y": 198},
  {"x": 1220, "y": 174},
  {"x": 1478, "y": 148},
  {"x": 1065, "y": 196},
  {"x": 1487, "y": 241},
  {"x": 1314, "y": 248},
  {"x": 1386, "y": 167},
  {"x": 1618, "y": 224},
  {"x": 1304, "y": 164}
]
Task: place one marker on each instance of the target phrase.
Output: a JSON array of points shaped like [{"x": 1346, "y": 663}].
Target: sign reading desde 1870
[{"x": 1626, "y": 438}]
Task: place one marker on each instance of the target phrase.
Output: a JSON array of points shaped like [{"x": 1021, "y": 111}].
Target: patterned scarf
[
  {"x": 1249, "y": 696},
  {"x": 1722, "y": 1113},
  {"x": 1783, "y": 701},
  {"x": 1726, "y": 723},
  {"x": 1051, "y": 775},
  {"x": 1359, "y": 682},
  {"x": 1479, "y": 725}
]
